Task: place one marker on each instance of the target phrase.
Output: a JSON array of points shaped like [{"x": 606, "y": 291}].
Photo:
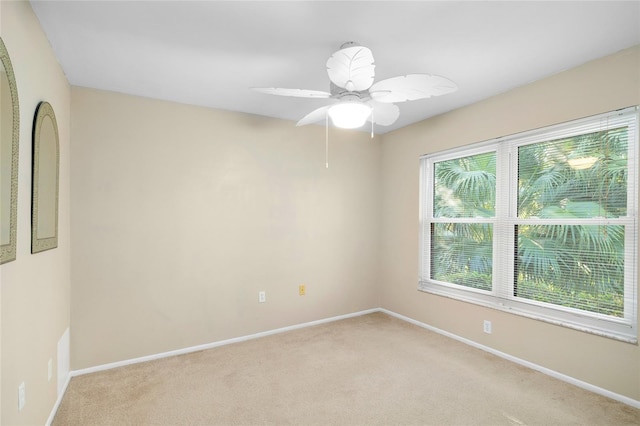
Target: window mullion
[
  {"x": 571, "y": 231},
  {"x": 425, "y": 217},
  {"x": 503, "y": 236}
]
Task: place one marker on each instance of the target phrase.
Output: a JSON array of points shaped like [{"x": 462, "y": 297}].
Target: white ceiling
[{"x": 209, "y": 53}]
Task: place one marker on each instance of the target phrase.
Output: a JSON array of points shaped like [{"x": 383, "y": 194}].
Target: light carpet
[{"x": 368, "y": 370}]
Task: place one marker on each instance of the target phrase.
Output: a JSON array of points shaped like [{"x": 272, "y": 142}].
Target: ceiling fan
[{"x": 357, "y": 98}]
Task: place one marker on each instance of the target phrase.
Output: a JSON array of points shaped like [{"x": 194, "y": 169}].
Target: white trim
[
  {"x": 502, "y": 295},
  {"x": 64, "y": 358},
  {"x": 568, "y": 379},
  {"x": 211, "y": 345},
  {"x": 556, "y": 375},
  {"x": 63, "y": 373},
  {"x": 555, "y": 130},
  {"x": 533, "y": 310},
  {"x": 54, "y": 410}
]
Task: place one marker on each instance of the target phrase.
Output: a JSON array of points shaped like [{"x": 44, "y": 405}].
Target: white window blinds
[{"x": 542, "y": 223}]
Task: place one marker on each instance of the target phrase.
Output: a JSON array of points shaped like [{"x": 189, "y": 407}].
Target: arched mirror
[
  {"x": 46, "y": 162},
  {"x": 9, "y": 134}
]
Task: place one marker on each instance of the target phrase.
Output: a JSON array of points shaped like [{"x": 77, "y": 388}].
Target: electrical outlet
[
  {"x": 487, "y": 326},
  {"x": 22, "y": 396},
  {"x": 50, "y": 369},
  {"x": 302, "y": 289},
  {"x": 262, "y": 297}
]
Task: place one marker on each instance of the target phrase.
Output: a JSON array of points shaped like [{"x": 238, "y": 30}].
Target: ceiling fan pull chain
[
  {"x": 372, "y": 119},
  {"x": 351, "y": 72},
  {"x": 326, "y": 142}
]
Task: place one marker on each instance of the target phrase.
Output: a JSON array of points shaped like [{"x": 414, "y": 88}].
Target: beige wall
[
  {"x": 599, "y": 86},
  {"x": 181, "y": 215},
  {"x": 34, "y": 288}
]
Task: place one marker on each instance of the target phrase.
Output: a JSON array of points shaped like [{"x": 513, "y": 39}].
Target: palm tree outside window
[{"x": 541, "y": 223}]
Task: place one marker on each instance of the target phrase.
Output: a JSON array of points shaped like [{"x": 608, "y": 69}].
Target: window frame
[{"x": 501, "y": 296}]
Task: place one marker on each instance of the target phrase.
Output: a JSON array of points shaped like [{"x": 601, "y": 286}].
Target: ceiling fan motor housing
[
  {"x": 351, "y": 72},
  {"x": 338, "y": 92}
]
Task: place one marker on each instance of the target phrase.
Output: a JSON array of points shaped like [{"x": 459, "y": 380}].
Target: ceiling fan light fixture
[
  {"x": 349, "y": 115},
  {"x": 351, "y": 72}
]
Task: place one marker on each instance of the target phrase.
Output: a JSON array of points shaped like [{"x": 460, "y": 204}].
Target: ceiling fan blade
[
  {"x": 383, "y": 114},
  {"x": 351, "y": 68},
  {"x": 298, "y": 93},
  {"x": 411, "y": 87},
  {"x": 314, "y": 116}
]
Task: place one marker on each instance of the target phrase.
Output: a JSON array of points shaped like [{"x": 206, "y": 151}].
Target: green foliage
[
  {"x": 462, "y": 248},
  {"x": 468, "y": 279},
  {"x": 550, "y": 186},
  {"x": 466, "y": 187},
  {"x": 606, "y": 303},
  {"x": 579, "y": 266}
]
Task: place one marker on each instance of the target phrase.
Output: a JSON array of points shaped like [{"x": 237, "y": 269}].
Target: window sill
[{"x": 617, "y": 331}]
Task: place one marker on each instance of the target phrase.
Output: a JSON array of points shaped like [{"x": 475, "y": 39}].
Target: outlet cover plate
[{"x": 22, "y": 396}]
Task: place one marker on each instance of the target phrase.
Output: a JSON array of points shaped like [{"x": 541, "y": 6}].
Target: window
[{"x": 542, "y": 224}]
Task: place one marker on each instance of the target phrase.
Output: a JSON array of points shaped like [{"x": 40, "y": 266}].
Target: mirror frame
[
  {"x": 8, "y": 251},
  {"x": 44, "y": 110}
]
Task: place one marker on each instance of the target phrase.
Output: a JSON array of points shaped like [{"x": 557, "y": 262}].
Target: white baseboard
[
  {"x": 54, "y": 410},
  {"x": 216, "y": 344},
  {"x": 579, "y": 383},
  {"x": 64, "y": 358},
  {"x": 74, "y": 373},
  {"x": 544, "y": 370},
  {"x": 63, "y": 379}
]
